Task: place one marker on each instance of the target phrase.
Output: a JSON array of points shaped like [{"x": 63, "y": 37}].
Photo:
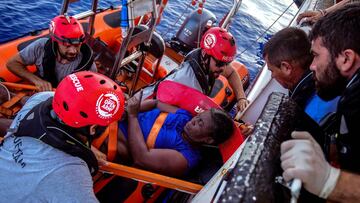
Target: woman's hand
[
  {"x": 133, "y": 104},
  {"x": 100, "y": 156}
]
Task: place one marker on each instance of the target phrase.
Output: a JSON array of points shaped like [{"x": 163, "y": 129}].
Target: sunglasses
[
  {"x": 71, "y": 41},
  {"x": 220, "y": 63}
]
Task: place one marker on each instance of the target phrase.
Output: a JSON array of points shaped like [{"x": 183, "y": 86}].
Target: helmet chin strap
[
  {"x": 54, "y": 46},
  {"x": 205, "y": 62},
  {"x": 55, "y": 49},
  {"x": 83, "y": 131}
]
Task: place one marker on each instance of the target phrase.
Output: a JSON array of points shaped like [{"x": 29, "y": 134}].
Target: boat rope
[
  {"x": 263, "y": 33},
  {"x": 177, "y": 20}
]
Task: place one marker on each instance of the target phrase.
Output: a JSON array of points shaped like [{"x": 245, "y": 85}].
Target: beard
[
  {"x": 69, "y": 57},
  {"x": 331, "y": 84},
  {"x": 215, "y": 74}
]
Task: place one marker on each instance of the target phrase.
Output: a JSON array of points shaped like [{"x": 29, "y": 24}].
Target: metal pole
[
  {"x": 131, "y": 13},
  {"x": 64, "y": 7},
  {"x": 231, "y": 13},
  {"x": 92, "y": 17},
  {"x": 153, "y": 21},
  {"x": 121, "y": 54},
  {"x": 137, "y": 74},
  {"x": 130, "y": 58}
]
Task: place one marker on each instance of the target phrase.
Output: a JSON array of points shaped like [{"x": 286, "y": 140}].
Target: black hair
[
  {"x": 223, "y": 125},
  {"x": 291, "y": 45},
  {"x": 339, "y": 30}
]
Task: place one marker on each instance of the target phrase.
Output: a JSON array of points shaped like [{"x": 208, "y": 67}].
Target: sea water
[{"x": 250, "y": 26}]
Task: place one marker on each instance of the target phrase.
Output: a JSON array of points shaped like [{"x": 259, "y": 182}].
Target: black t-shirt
[
  {"x": 304, "y": 90},
  {"x": 348, "y": 121}
]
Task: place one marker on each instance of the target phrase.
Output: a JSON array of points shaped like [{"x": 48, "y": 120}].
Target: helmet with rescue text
[{"x": 86, "y": 98}]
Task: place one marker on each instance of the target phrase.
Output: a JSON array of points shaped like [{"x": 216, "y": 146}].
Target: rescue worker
[
  {"x": 46, "y": 155},
  {"x": 56, "y": 57},
  {"x": 202, "y": 66},
  {"x": 313, "y": 16},
  {"x": 336, "y": 66},
  {"x": 288, "y": 59}
]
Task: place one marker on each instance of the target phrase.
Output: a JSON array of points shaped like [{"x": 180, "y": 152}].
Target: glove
[{"x": 303, "y": 158}]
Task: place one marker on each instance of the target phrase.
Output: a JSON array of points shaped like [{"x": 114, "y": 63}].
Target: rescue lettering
[
  {"x": 76, "y": 82},
  {"x": 227, "y": 58}
]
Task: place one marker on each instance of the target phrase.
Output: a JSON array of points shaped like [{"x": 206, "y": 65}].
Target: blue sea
[{"x": 250, "y": 26}]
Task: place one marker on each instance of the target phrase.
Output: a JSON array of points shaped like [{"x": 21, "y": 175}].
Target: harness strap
[
  {"x": 100, "y": 181},
  {"x": 111, "y": 132},
  {"x": 100, "y": 140},
  {"x": 112, "y": 145},
  {"x": 200, "y": 76},
  {"x": 150, "y": 142},
  {"x": 137, "y": 195}
]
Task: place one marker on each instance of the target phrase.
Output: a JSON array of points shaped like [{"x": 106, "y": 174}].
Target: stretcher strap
[
  {"x": 136, "y": 196},
  {"x": 100, "y": 140},
  {"x": 110, "y": 133},
  {"x": 150, "y": 142},
  {"x": 112, "y": 143}
]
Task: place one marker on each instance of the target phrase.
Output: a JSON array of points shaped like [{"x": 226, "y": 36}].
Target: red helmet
[
  {"x": 66, "y": 29},
  {"x": 87, "y": 98},
  {"x": 219, "y": 43}
]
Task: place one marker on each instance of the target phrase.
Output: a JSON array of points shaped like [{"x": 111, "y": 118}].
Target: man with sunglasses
[
  {"x": 202, "y": 66},
  {"x": 64, "y": 53}
]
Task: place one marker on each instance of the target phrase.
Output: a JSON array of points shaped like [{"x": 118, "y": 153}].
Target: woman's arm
[
  {"x": 149, "y": 104},
  {"x": 165, "y": 161}
]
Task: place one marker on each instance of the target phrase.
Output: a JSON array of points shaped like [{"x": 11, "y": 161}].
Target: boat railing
[
  {"x": 234, "y": 9},
  {"x": 90, "y": 13},
  {"x": 263, "y": 84},
  {"x": 83, "y": 14},
  {"x": 136, "y": 9}
]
